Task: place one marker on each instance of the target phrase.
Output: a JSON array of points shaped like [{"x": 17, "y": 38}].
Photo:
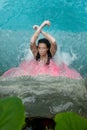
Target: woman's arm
[
  {"x": 52, "y": 41},
  {"x": 34, "y": 38},
  {"x": 49, "y": 37}
]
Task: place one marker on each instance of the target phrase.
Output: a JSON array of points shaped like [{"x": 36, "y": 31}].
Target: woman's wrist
[{"x": 42, "y": 25}]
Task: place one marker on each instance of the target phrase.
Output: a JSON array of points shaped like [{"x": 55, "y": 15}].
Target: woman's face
[{"x": 42, "y": 48}]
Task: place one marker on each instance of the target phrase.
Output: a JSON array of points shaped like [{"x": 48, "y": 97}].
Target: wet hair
[{"x": 47, "y": 43}]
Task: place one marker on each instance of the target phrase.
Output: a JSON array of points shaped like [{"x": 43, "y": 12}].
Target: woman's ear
[{"x": 48, "y": 49}]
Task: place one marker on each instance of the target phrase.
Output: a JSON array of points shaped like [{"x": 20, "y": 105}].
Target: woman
[
  {"x": 50, "y": 40},
  {"x": 43, "y": 53},
  {"x": 43, "y": 63}
]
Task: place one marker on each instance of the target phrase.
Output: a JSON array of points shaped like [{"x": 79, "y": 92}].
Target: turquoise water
[
  {"x": 69, "y": 27},
  {"x": 68, "y": 15}
]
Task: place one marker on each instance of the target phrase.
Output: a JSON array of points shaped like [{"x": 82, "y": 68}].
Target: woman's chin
[{"x": 42, "y": 55}]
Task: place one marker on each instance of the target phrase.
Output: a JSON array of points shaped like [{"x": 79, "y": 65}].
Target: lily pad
[
  {"x": 70, "y": 121},
  {"x": 11, "y": 114}
]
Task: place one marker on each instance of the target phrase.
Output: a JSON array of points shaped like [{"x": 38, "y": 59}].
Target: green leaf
[
  {"x": 70, "y": 121},
  {"x": 11, "y": 114}
]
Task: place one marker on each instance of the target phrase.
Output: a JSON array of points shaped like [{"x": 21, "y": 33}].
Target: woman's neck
[{"x": 44, "y": 59}]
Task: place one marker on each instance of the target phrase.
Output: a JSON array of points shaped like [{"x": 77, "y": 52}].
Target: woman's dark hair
[{"x": 47, "y": 43}]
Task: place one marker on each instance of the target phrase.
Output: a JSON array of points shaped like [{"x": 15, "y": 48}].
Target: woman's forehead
[{"x": 42, "y": 45}]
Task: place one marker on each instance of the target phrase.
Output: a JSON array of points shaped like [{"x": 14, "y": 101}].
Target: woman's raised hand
[
  {"x": 46, "y": 22},
  {"x": 35, "y": 27}
]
